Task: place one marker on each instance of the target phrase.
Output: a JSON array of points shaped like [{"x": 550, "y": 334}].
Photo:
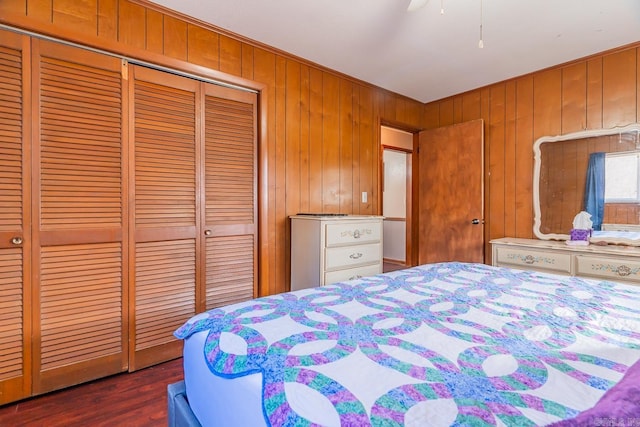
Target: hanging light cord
[{"x": 480, "y": 43}]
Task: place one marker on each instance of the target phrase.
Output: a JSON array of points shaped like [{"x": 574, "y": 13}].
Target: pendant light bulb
[
  {"x": 480, "y": 44},
  {"x": 441, "y": 7}
]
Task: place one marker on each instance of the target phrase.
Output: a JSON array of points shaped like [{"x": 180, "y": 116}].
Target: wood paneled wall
[
  {"x": 598, "y": 92},
  {"x": 320, "y": 129}
]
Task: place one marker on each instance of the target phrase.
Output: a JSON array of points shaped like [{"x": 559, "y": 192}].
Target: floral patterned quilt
[{"x": 440, "y": 344}]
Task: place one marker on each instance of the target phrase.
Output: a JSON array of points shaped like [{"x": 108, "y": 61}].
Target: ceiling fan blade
[{"x": 416, "y": 4}]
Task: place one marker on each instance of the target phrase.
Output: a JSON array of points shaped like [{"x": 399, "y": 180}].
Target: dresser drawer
[
  {"x": 608, "y": 268},
  {"x": 554, "y": 262},
  {"x": 352, "y": 273},
  {"x": 344, "y": 257},
  {"x": 349, "y": 234}
]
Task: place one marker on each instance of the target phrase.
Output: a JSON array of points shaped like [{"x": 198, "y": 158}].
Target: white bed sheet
[{"x": 239, "y": 405}]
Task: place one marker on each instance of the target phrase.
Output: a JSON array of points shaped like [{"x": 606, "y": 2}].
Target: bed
[{"x": 439, "y": 344}]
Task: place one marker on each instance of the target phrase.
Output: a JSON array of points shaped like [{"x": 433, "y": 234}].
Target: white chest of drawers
[
  {"x": 329, "y": 249},
  {"x": 611, "y": 262}
]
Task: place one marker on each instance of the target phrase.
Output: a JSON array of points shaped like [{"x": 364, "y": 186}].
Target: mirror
[{"x": 560, "y": 174}]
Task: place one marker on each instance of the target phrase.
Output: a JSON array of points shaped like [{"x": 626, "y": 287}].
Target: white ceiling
[{"x": 424, "y": 54}]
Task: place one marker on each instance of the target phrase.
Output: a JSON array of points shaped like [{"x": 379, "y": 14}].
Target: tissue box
[{"x": 580, "y": 234}]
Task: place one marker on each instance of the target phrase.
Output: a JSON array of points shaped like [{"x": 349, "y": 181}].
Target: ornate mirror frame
[{"x": 537, "y": 166}]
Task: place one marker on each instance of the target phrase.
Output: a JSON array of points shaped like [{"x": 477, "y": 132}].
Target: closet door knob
[
  {"x": 16, "y": 240},
  {"x": 207, "y": 232}
]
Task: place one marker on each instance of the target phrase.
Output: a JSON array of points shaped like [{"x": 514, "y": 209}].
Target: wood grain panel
[
  {"x": 230, "y": 55},
  {"x": 547, "y": 103},
  {"x": 81, "y": 303},
  {"x": 247, "y": 61},
  {"x": 108, "y": 19},
  {"x": 81, "y": 15},
  {"x": 574, "y": 98},
  {"x": 11, "y": 138},
  {"x": 164, "y": 291},
  {"x": 524, "y": 158},
  {"x": 154, "y": 31},
  {"x": 15, "y": 192},
  {"x": 18, "y": 7},
  {"x": 594, "y": 93},
  {"x": 346, "y": 147},
  {"x": 510, "y": 173},
  {"x": 175, "y": 37},
  {"x": 78, "y": 197},
  {"x": 281, "y": 259},
  {"x": 315, "y": 142},
  {"x": 80, "y": 145},
  {"x": 203, "y": 47},
  {"x": 230, "y": 268},
  {"x": 496, "y": 151},
  {"x": 369, "y": 149},
  {"x": 619, "y": 81},
  {"x": 40, "y": 10},
  {"x": 11, "y": 314},
  {"x": 330, "y": 144},
  {"x": 165, "y": 132},
  {"x": 230, "y": 161},
  {"x": 131, "y": 24}
]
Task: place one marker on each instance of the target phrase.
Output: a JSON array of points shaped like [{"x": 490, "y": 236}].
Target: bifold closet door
[
  {"x": 15, "y": 240},
  {"x": 164, "y": 210},
  {"x": 230, "y": 217},
  {"x": 79, "y": 216}
]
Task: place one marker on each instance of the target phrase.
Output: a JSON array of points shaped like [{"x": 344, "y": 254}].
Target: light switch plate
[{"x": 364, "y": 197}]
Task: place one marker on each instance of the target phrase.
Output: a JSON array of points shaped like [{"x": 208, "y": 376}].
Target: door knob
[
  {"x": 207, "y": 232},
  {"x": 475, "y": 221},
  {"x": 16, "y": 240}
]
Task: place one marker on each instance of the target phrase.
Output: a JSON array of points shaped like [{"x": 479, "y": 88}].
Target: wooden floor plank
[{"x": 136, "y": 399}]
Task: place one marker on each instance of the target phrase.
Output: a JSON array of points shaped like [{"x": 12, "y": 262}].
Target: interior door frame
[{"x": 411, "y": 253}]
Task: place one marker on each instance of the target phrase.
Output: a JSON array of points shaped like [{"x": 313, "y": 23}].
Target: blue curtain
[{"x": 594, "y": 189}]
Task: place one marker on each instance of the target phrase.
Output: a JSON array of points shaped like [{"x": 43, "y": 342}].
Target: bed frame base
[{"x": 179, "y": 412}]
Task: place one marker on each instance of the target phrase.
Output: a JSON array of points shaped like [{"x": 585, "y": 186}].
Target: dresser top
[
  {"x": 335, "y": 217},
  {"x": 563, "y": 246}
]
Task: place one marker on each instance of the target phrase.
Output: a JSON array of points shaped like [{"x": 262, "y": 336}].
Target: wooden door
[
  {"x": 15, "y": 232},
  {"x": 230, "y": 214},
  {"x": 451, "y": 183},
  {"x": 79, "y": 229},
  {"x": 164, "y": 211}
]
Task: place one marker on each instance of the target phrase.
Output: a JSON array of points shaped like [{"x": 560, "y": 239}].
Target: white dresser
[
  {"x": 610, "y": 262},
  {"x": 329, "y": 249}
]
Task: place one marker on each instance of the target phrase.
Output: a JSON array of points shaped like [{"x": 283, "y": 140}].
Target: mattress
[{"x": 440, "y": 344}]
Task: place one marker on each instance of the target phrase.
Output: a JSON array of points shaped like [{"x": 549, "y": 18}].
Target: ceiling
[{"x": 424, "y": 54}]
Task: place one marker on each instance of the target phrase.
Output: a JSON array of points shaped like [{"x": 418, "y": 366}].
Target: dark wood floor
[
  {"x": 135, "y": 399},
  {"x": 392, "y": 266}
]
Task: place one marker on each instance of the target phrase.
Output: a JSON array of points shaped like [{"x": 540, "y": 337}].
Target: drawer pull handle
[
  {"x": 356, "y": 255},
  {"x": 16, "y": 240},
  {"x": 529, "y": 259},
  {"x": 623, "y": 270},
  {"x": 356, "y": 234},
  {"x": 357, "y": 276}
]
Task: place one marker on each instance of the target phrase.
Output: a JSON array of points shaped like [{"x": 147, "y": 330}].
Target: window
[{"x": 622, "y": 181}]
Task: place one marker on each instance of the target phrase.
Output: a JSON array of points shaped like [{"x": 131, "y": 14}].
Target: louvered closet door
[
  {"x": 79, "y": 234},
  {"x": 230, "y": 220},
  {"x": 15, "y": 363},
  {"x": 165, "y": 240}
]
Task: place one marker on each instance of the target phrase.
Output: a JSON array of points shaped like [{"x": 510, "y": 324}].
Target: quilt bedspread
[{"x": 439, "y": 344}]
